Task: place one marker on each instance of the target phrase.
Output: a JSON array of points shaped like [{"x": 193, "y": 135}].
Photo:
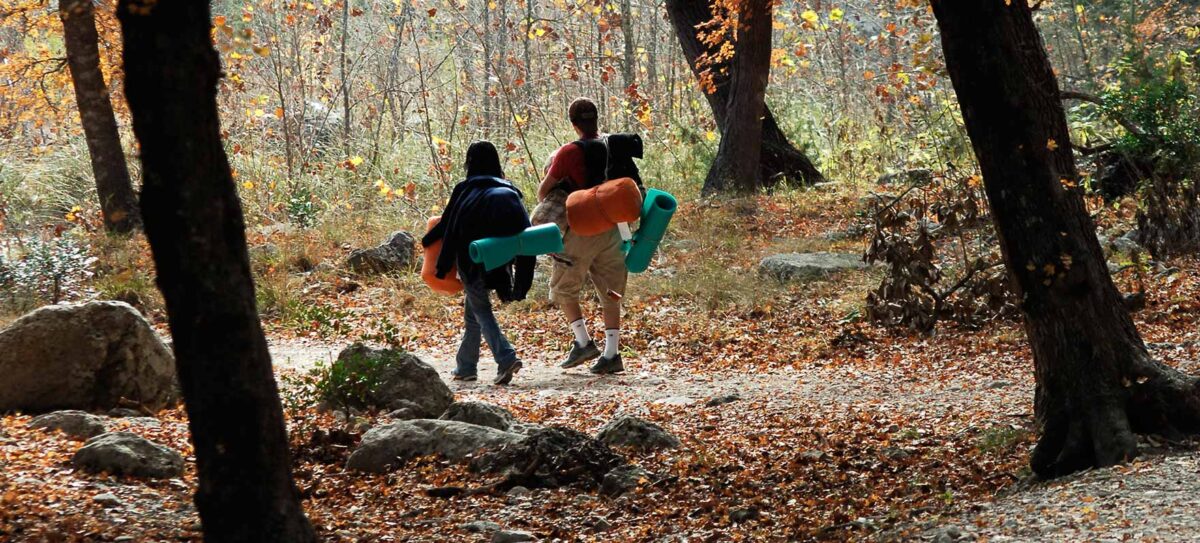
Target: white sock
[
  {"x": 612, "y": 343},
  {"x": 581, "y": 333}
]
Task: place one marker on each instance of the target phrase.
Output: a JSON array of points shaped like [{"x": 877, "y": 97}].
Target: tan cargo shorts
[{"x": 589, "y": 258}]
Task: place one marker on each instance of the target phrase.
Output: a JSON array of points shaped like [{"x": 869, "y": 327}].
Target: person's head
[
  {"x": 584, "y": 117},
  {"x": 482, "y": 159}
]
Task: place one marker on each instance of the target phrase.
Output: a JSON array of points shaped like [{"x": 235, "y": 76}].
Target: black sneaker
[
  {"x": 579, "y": 355},
  {"x": 606, "y": 366},
  {"x": 461, "y": 377},
  {"x": 505, "y": 375}
]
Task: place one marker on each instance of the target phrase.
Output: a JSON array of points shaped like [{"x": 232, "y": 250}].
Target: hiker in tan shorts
[{"x": 597, "y": 259}]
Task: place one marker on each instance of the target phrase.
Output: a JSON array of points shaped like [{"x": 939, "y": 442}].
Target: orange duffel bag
[
  {"x": 599, "y": 209},
  {"x": 450, "y": 284}
]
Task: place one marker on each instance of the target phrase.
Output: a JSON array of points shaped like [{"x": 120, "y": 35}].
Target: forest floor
[{"x": 841, "y": 430}]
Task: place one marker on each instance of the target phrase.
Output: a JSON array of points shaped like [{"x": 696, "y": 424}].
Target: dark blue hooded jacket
[{"x": 483, "y": 207}]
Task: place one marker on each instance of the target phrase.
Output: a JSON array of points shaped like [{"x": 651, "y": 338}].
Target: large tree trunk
[
  {"x": 118, "y": 203},
  {"x": 194, "y": 223},
  {"x": 779, "y": 158},
  {"x": 1096, "y": 383},
  {"x": 736, "y": 166}
]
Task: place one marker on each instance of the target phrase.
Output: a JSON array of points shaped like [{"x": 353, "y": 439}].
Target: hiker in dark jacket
[{"x": 485, "y": 205}]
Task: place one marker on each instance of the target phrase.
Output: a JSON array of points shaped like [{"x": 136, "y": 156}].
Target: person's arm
[{"x": 548, "y": 184}]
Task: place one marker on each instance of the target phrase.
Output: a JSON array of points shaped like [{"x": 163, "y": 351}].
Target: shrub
[{"x": 45, "y": 271}]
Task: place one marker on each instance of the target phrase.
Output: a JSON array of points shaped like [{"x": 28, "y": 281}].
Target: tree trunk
[
  {"x": 736, "y": 167},
  {"x": 1096, "y": 383},
  {"x": 194, "y": 223},
  {"x": 779, "y": 159},
  {"x": 629, "y": 65},
  {"x": 118, "y": 203}
]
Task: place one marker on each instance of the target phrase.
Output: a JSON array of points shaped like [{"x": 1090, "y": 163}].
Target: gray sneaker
[
  {"x": 606, "y": 366},
  {"x": 504, "y": 376},
  {"x": 579, "y": 355}
]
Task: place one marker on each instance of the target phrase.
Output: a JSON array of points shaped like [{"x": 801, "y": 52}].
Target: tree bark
[
  {"x": 193, "y": 220},
  {"x": 1096, "y": 383},
  {"x": 118, "y": 203},
  {"x": 779, "y": 158},
  {"x": 736, "y": 167}
]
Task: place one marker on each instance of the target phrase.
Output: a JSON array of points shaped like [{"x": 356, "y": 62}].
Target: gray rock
[
  {"x": 108, "y": 499},
  {"x": 483, "y": 414},
  {"x": 744, "y": 514},
  {"x": 812, "y": 455},
  {"x": 386, "y": 447},
  {"x": 623, "y": 479},
  {"x": 123, "y": 453},
  {"x": 524, "y": 428},
  {"x": 123, "y": 412},
  {"x": 630, "y": 431},
  {"x": 397, "y": 255},
  {"x": 404, "y": 381},
  {"x": 999, "y": 384},
  {"x": 1128, "y": 244},
  {"x": 76, "y": 424},
  {"x": 480, "y": 527},
  {"x": 518, "y": 492},
  {"x": 948, "y": 534},
  {"x": 808, "y": 266},
  {"x": 679, "y": 401},
  {"x": 506, "y": 536},
  {"x": 86, "y": 357},
  {"x": 919, "y": 177},
  {"x": 722, "y": 400}
]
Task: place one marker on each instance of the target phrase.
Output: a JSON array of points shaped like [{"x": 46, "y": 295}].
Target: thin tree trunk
[
  {"x": 779, "y": 158},
  {"x": 629, "y": 66},
  {"x": 118, "y": 203},
  {"x": 344, "y": 77},
  {"x": 736, "y": 166},
  {"x": 194, "y": 223},
  {"x": 1096, "y": 383}
]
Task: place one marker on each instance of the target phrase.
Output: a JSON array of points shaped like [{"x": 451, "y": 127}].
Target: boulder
[
  {"x": 123, "y": 453},
  {"x": 808, "y": 266},
  {"x": 386, "y": 447},
  {"x": 630, "y": 431},
  {"x": 565, "y": 457},
  {"x": 76, "y": 424},
  {"x": 480, "y": 413},
  {"x": 88, "y": 357},
  {"x": 402, "y": 381},
  {"x": 623, "y": 479},
  {"x": 397, "y": 255}
]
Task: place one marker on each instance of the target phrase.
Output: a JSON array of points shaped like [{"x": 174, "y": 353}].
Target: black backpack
[{"x": 611, "y": 157}]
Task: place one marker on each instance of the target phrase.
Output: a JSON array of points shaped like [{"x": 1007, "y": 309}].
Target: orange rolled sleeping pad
[
  {"x": 597, "y": 210},
  {"x": 450, "y": 284}
]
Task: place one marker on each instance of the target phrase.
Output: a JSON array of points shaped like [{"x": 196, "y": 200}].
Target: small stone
[
  {"x": 812, "y": 455},
  {"x": 123, "y": 412},
  {"x": 738, "y": 516},
  {"x": 505, "y": 536},
  {"x": 519, "y": 492},
  {"x": 480, "y": 527},
  {"x": 722, "y": 400},
  {"x": 108, "y": 499},
  {"x": 999, "y": 384},
  {"x": 480, "y": 413},
  {"x": 808, "y": 266},
  {"x": 601, "y": 525}
]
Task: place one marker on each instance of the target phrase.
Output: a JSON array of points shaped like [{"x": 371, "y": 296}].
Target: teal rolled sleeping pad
[
  {"x": 657, "y": 209},
  {"x": 535, "y": 240}
]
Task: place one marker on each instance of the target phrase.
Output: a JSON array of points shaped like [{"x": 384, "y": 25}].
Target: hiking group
[{"x": 486, "y": 205}]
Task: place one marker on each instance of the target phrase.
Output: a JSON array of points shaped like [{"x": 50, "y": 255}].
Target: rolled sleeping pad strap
[
  {"x": 599, "y": 209},
  {"x": 535, "y": 240},
  {"x": 656, "y": 215},
  {"x": 448, "y": 285}
]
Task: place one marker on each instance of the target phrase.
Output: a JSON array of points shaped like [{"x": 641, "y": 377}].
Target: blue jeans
[{"x": 480, "y": 324}]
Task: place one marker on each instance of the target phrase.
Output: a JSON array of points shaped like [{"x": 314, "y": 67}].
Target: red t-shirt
[{"x": 569, "y": 164}]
